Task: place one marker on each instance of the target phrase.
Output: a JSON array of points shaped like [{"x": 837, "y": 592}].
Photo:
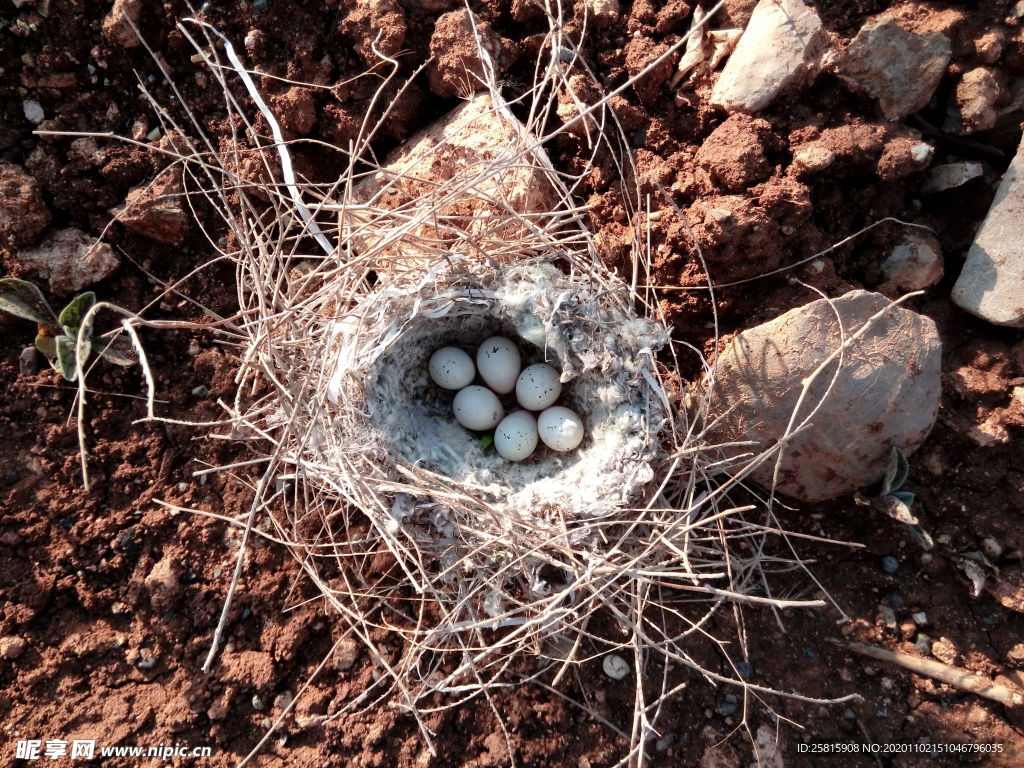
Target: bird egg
[
  {"x": 499, "y": 364},
  {"x": 538, "y": 387},
  {"x": 560, "y": 428},
  {"x": 516, "y": 436},
  {"x": 452, "y": 368},
  {"x": 478, "y": 408}
]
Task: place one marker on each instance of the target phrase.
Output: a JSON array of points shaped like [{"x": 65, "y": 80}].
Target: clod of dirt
[
  {"x": 582, "y": 92},
  {"x": 899, "y": 68},
  {"x": 914, "y": 264},
  {"x": 12, "y": 647},
  {"x": 891, "y": 151},
  {"x": 370, "y": 19},
  {"x": 157, "y": 211},
  {"x": 737, "y": 237},
  {"x": 641, "y": 52},
  {"x": 70, "y": 259},
  {"x": 296, "y": 111},
  {"x": 247, "y": 669},
  {"x": 735, "y": 14},
  {"x": 164, "y": 584},
  {"x": 991, "y": 284},
  {"x": 974, "y": 108},
  {"x": 885, "y": 394},
  {"x": 346, "y": 654},
  {"x": 457, "y": 69},
  {"x": 23, "y": 214},
  {"x": 603, "y": 12},
  {"x": 117, "y": 26},
  {"x": 781, "y": 48},
  {"x": 734, "y": 153}
]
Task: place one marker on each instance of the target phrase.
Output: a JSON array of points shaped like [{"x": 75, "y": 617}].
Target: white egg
[
  {"x": 538, "y": 387},
  {"x": 499, "y": 364},
  {"x": 516, "y": 436},
  {"x": 452, "y": 368},
  {"x": 560, "y": 428},
  {"x": 478, "y": 408}
]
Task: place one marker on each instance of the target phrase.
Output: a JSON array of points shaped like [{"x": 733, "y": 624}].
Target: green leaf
[
  {"x": 65, "y": 362},
  {"x": 485, "y": 441},
  {"x": 118, "y": 351},
  {"x": 22, "y": 299},
  {"x": 71, "y": 316}
]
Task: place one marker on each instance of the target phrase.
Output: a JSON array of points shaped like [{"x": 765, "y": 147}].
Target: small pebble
[
  {"x": 923, "y": 643},
  {"x": 201, "y": 391},
  {"x": 12, "y": 476},
  {"x": 920, "y": 618},
  {"x": 728, "y": 707},
  {"x": 257, "y": 702},
  {"x": 246, "y": 613},
  {"x": 12, "y": 647},
  {"x": 992, "y": 547},
  {"x": 810, "y": 652},
  {"x": 890, "y": 564},
  {"x": 30, "y": 362},
  {"x": 615, "y": 666},
  {"x": 66, "y": 524},
  {"x": 665, "y": 742},
  {"x": 33, "y": 111},
  {"x": 988, "y": 621},
  {"x": 896, "y": 600},
  {"x": 745, "y": 669},
  {"x": 849, "y": 715},
  {"x": 259, "y": 4}
]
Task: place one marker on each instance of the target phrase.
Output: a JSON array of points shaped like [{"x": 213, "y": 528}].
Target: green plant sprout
[
  {"x": 57, "y": 336},
  {"x": 896, "y": 503}
]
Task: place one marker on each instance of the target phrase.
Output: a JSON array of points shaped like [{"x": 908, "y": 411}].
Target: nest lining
[{"x": 605, "y": 352}]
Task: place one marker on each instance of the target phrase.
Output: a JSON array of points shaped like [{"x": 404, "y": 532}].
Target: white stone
[
  {"x": 991, "y": 284},
  {"x": 781, "y": 47},
  {"x": 604, "y": 12},
  {"x": 33, "y": 111},
  {"x": 885, "y": 394},
  {"x": 914, "y": 264},
  {"x": 943, "y": 177},
  {"x": 615, "y": 666},
  {"x": 71, "y": 259}
]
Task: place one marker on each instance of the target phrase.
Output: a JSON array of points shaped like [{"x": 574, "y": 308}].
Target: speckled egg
[
  {"x": 560, "y": 428},
  {"x": 516, "y": 436},
  {"x": 499, "y": 364},
  {"x": 452, "y": 368},
  {"x": 478, "y": 408},
  {"x": 538, "y": 387}
]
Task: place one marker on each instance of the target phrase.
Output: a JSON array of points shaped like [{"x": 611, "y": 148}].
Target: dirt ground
[{"x": 108, "y": 602}]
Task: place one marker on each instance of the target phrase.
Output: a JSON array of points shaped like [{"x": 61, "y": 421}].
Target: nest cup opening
[{"x": 601, "y": 350}]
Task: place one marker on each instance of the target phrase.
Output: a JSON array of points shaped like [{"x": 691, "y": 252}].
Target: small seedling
[
  {"x": 57, "y": 338},
  {"x": 896, "y": 503}
]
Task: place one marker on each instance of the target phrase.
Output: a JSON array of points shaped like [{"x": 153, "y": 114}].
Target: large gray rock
[
  {"x": 886, "y": 393},
  {"x": 781, "y": 47},
  {"x": 899, "y": 68},
  {"x": 991, "y": 284}
]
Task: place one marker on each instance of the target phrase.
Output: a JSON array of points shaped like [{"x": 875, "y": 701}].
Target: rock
[
  {"x": 915, "y": 264},
  {"x": 71, "y": 260},
  {"x": 615, "y": 666},
  {"x": 23, "y": 214},
  {"x": 157, "y": 211},
  {"x": 370, "y": 18},
  {"x": 117, "y": 26},
  {"x": 346, "y": 654},
  {"x": 641, "y": 52},
  {"x": 12, "y": 647},
  {"x": 812, "y": 159},
  {"x": 164, "y": 584},
  {"x": 974, "y": 108},
  {"x": 899, "y": 68},
  {"x": 734, "y": 153},
  {"x": 469, "y": 139},
  {"x": 781, "y": 48},
  {"x": 991, "y": 284},
  {"x": 33, "y": 111},
  {"x": 886, "y": 393},
  {"x": 457, "y": 70},
  {"x": 30, "y": 362},
  {"x": 603, "y": 12},
  {"x": 943, "y": 177}
]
